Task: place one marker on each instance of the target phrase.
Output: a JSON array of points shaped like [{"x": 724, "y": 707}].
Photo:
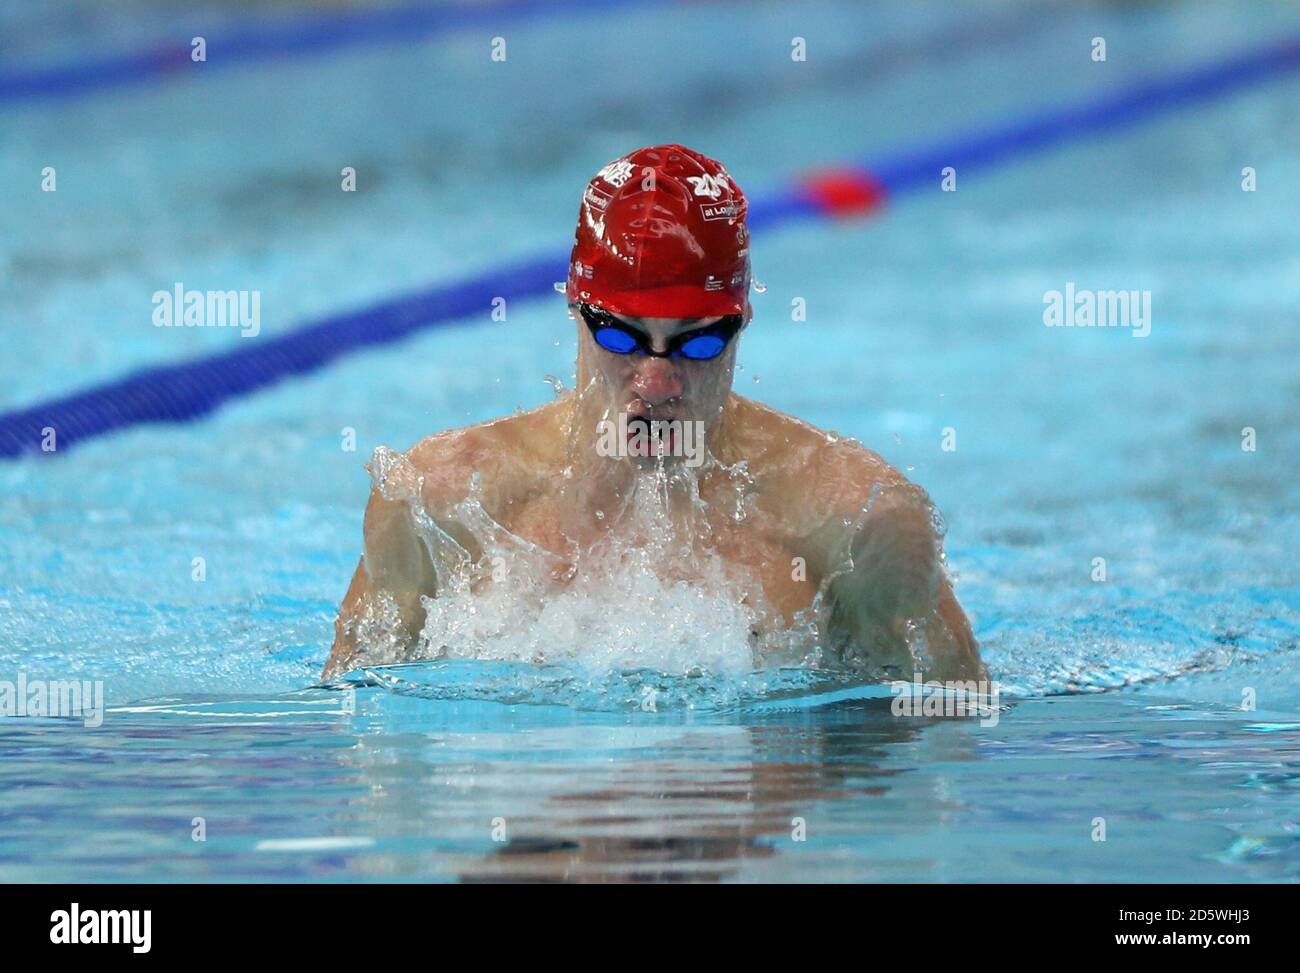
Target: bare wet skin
[
  {"x": 738, "y": 512},
  {"x": 814, "y": 549},
  {"x": 808, "y": 529}
]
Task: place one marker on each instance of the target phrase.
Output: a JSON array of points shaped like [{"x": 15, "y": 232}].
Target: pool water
[{"x": 1161, "y": 705}]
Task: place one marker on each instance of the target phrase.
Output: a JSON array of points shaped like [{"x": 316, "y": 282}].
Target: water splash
[{"x": 650, "y": 593}]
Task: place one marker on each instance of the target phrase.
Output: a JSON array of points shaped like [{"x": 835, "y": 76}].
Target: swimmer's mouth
[{"x": 646, "y": 433}]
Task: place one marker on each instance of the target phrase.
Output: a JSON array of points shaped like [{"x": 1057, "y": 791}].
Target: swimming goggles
[{"x": 701, "y": 344}]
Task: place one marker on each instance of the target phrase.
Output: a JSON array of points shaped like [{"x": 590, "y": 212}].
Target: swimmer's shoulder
[
  {"x": 502, "y": 451},
  {"x": 828, "y": 473}
]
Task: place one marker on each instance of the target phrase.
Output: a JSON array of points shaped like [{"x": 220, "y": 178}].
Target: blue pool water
[{"x": 1123, "y": 698}]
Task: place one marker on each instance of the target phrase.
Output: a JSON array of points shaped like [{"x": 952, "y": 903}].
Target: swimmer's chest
[
  {"x": 782, "y": 574},
  {"x": 755, "y": 551}
]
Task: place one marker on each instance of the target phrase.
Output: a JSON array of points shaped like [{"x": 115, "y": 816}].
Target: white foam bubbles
[{"x": 651, "y": 594}]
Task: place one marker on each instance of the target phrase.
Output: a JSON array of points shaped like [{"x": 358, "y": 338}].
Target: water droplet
[
  {"x": 560, "y": 286},
  {"x": 600, "y": 515},
  {"x": 556, "y": 385},
  {"x": 759, "y": 286},
  {"x": 897, "y": 438}
]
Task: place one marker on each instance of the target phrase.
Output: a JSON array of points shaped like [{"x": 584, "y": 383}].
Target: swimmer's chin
[
  {"x": 647, "y": 464},
  {"x": 631, "y": 458}
]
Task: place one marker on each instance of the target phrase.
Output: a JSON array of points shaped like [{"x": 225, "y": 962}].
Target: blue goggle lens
[
  {"x": 619, "y": 342},
  {"x": 703, "y": 347}
]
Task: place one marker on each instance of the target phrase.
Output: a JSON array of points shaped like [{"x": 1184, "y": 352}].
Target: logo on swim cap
[
  {"x": 719, "y": 211},
  {"x": 706, "y": 185},
  {"x": 595, "y": 197},
  {"x": 671, "y": 243},
  {"x": 616, "y": 173}
]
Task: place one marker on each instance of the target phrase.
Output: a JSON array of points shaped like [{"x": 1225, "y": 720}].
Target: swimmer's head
[
  {"x": 657, "y": 370},
  {"x": 659, "y": 284}
]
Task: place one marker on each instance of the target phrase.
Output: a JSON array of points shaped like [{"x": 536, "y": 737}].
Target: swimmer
[{"x": 658, "y": 287}]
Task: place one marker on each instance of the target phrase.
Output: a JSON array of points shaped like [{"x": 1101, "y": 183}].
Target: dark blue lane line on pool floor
[
  {"x": 267, "y": 39},
  {"x": 189, "y": 390}
]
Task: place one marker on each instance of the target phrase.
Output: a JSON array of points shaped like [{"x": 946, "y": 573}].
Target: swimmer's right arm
[{"x": 395, "y": 564}]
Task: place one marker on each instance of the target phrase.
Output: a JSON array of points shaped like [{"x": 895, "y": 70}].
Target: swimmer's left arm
[{"x": 897, "y": 580}]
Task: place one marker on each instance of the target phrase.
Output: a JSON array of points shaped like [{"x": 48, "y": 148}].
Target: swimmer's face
[{"x": 649, "y": 387}]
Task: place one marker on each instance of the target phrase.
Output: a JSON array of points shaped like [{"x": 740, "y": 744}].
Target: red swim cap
[{"x": 661, "y": 233}]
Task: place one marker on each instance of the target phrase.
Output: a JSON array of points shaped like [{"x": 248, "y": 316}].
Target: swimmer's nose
[{"x": 657, "y": 381}]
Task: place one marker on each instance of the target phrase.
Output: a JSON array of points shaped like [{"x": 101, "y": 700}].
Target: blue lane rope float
[{"x": 189, "y": 390}]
